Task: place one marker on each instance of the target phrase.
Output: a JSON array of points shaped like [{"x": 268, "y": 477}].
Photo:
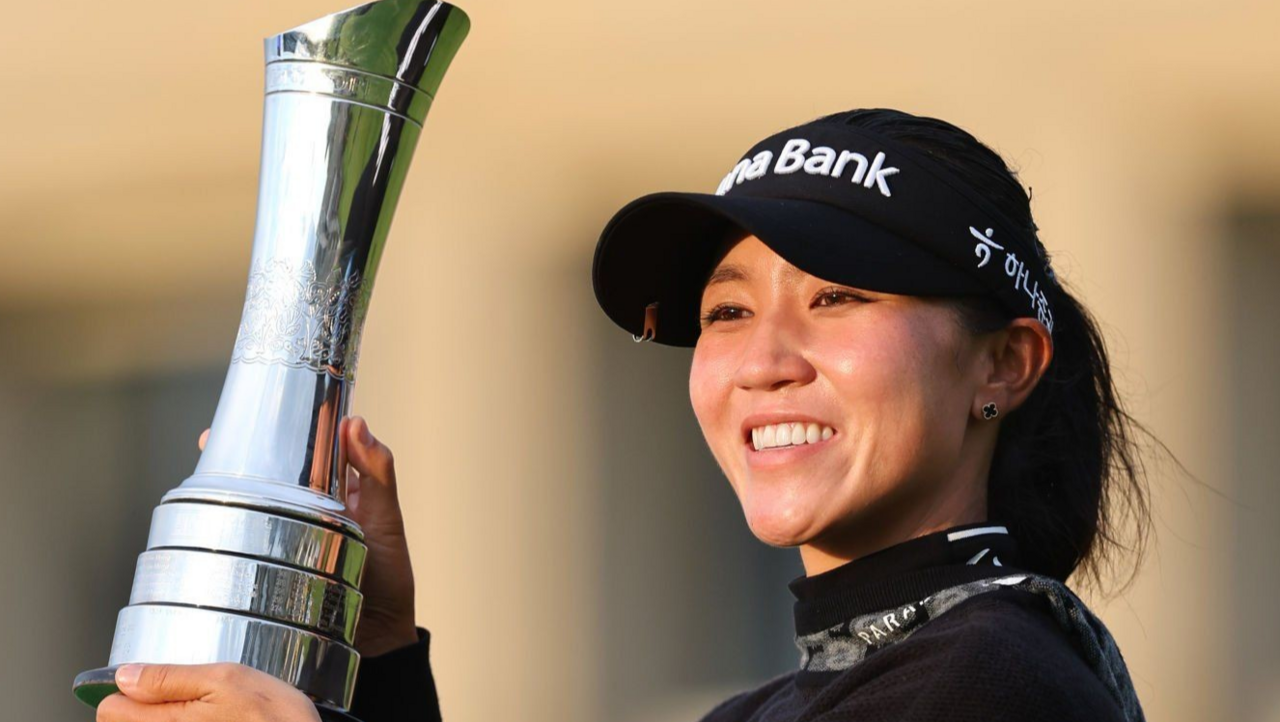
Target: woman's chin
[{"x": 782, "y": 527}]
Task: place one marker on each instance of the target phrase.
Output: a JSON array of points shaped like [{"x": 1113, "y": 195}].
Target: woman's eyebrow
[{"x": 725, "y": 274}]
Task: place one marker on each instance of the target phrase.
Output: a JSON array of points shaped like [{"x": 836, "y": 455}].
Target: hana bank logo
[
  {"x": 799, "y": 155},
  {"x": 1017, "y": 270}
]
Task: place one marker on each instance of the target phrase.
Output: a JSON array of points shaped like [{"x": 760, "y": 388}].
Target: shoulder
[
  {"x": 742, "y": 705},
  {"x": 997, "y": 627},
  {"x": 1000, "y": 656},
  {"x": 997, "y": 656}
]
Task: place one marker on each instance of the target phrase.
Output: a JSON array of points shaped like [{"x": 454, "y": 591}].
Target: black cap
[{"x": 840, "y": 203}]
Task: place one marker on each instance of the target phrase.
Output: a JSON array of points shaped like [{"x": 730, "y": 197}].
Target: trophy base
[
  {"x": 95, "y": 685},
  {"x": 221, "y": 583}
]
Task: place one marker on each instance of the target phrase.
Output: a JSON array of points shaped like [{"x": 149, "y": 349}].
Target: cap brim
[{"x": 661, "y": 247}]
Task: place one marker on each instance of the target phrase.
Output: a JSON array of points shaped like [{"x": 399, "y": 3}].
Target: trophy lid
[{"x": 409, "y": 41}]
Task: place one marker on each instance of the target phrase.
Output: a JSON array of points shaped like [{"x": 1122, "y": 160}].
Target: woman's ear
[{"x": 1018, "y": 356}]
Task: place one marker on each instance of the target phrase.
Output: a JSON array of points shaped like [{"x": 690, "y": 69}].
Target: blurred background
[{"x": 570, "y": 534}]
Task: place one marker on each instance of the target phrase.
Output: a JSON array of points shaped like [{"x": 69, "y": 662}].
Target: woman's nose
[{"x": 773, "y": 358}]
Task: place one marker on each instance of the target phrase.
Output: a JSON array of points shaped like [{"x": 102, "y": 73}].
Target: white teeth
[{"x": 775, "y": 436}]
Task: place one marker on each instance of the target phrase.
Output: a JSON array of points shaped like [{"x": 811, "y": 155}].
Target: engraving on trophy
[
  {"x": 296, "y": 318},
  {"x": 359, "y": 87}
]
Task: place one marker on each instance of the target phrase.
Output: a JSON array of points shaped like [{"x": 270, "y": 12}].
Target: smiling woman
[{"x": 895, "y": 382}]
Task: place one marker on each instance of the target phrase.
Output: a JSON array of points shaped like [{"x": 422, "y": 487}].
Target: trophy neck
[{"x": 345, "y": 99}]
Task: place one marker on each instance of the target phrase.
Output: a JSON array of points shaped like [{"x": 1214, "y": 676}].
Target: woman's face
[{"x": 839, "y": 415}]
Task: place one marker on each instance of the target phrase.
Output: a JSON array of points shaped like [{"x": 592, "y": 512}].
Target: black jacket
[{"x": 1000, "y": 655}]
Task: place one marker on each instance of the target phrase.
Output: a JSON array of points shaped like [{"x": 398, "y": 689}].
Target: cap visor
[{"x": 661, "y": 247}]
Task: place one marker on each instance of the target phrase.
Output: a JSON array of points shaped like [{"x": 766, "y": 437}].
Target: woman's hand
[
  {"x": 387, "y": 617},
  {"x": 203, "y": 693}
]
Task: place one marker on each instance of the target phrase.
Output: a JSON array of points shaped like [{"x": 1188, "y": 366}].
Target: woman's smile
[
  {"x": 781, "y": 438},
  {"x": 776, "y": 456}
]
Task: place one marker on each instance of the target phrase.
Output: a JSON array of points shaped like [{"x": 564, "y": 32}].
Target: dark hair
[{"x": 1067, "y": 477}]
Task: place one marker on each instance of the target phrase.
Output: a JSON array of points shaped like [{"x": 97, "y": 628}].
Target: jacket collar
[{"x": 903, "y": 573}]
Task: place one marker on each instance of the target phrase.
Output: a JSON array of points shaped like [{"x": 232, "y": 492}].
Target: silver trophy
[{"x": 254, "y": 558}]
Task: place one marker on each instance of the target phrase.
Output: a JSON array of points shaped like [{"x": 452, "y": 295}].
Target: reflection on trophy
[{"x": 253, "y": 559}]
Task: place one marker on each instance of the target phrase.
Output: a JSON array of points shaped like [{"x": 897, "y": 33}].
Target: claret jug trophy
[{"x": 254, "y": 558}]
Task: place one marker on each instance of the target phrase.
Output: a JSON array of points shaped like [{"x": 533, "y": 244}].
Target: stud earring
[{"x": 990, "y": 411}]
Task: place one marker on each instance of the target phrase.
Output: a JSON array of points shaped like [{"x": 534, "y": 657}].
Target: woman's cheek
[
  {"x": 701, "y": 394},
  {"x": 709, "y": 395}
]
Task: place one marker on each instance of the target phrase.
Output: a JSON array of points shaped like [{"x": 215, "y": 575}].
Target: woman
[{"x": 895, "y": 383}]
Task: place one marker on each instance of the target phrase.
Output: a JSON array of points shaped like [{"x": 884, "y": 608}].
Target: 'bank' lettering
[{"x": 799, "y": 155}]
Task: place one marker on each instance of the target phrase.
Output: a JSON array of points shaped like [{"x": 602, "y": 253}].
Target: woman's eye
[
  {"x": 724, "y": 313},
  {"x": 835, "y": 297}
]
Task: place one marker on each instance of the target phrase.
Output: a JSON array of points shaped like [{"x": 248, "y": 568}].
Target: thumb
[
  {"x": 379, "y": 501},
  {"x": 156, "y": 683}
]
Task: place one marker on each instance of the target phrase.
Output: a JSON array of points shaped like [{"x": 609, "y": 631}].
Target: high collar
[{"x": 903, "y": 573}]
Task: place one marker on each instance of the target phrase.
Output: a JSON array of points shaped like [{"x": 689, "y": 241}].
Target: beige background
[{"x": 129, "y": 137}]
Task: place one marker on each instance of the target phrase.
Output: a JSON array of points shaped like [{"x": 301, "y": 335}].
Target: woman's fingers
[
  {"x": 387, "y": 621},
  {"x": 353, "y": 489},
  {"x": 378, "y": 503},
  {"x": 119, "y": 708},
  {"x": 369, "y": 456},
  {"x": 203, "y": 693},
  {"x": 154, "y": 683},
  {"x": 204, "y": 439}
]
